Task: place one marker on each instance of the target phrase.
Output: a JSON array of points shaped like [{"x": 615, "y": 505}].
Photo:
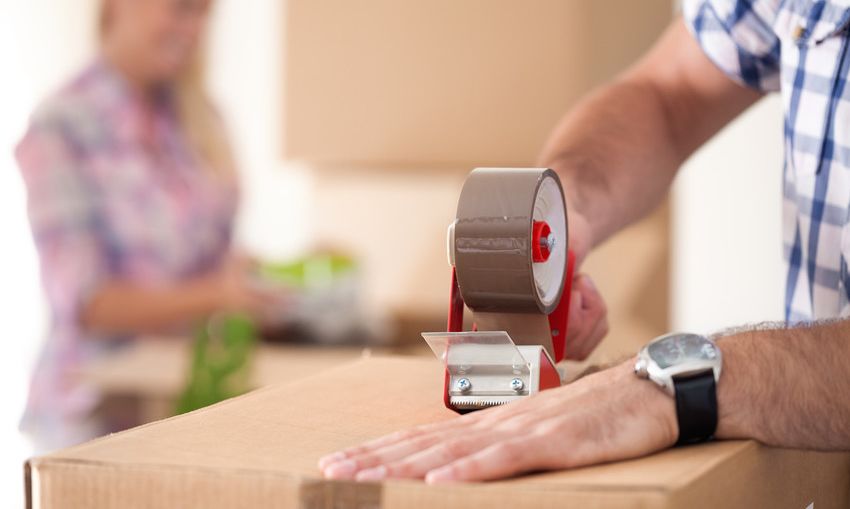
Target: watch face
[{"x": 680, "y": 348}]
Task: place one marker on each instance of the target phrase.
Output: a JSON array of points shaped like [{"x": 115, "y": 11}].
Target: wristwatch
[{"x": 687, "y": 366}]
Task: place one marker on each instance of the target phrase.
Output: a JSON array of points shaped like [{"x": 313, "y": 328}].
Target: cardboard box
[
  {"x": 405, "y": 84},
  {"x": 260, "y": 450},
  {"x": 128, "y": 387}
]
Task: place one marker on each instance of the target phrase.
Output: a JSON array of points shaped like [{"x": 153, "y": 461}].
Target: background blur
[{"x": 355, "y": 124}]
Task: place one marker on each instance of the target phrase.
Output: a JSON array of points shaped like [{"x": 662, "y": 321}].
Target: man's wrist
[
  {"x": 651, "y": 399},
  {"x": 734, "y": 412}
]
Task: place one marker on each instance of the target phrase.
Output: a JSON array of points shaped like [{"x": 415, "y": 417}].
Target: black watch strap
[{"x": 696, "y": 407}]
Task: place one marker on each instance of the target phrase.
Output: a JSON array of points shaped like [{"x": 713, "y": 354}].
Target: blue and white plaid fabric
[{"x": 800, "y": 49}]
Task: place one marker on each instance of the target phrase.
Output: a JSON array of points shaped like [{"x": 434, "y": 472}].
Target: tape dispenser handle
[
  {"x": 455, "y": 322},
  {"x": 559, "y": 317}
]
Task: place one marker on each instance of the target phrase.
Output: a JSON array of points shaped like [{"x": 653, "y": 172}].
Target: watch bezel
[{"x": 646, "y": 367}]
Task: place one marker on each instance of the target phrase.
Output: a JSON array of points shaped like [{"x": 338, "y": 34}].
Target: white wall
[
  {"x": 41, "y": 42},
  {"x": 245, "y": 76},
  {"x": 727, "y": 248}
]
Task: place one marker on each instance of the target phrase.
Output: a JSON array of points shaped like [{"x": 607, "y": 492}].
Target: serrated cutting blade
[{"x": 478, "y": 402}]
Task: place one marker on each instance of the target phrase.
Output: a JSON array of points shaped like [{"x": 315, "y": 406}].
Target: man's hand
[
  {"x": 588, "y": 319},
  {"x": 783, "y": 387},
  {"x": 607, "y": 416}
]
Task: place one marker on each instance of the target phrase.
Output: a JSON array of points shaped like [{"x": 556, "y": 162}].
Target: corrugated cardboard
[{"x": 260, "y": 450}]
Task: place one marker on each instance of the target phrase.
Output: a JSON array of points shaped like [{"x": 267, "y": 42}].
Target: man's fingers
[
  {"x": 591, "y": 298},
  {"x": 585, "y": 345},
  {"x": 366, "y": 447},
  {"x": 411, "y": 454},
  {"x": 349, "y": 467},
  {"x": 501, "y": 459},
  {"x": 574, "y": 323},
  {"x": 593, "y": 339},
  {"x": 587, "y": 310},
  {"x": 444, "y": 451},
  {"x": 377, "y": 443},
  {"x": 418, "y": 435}
]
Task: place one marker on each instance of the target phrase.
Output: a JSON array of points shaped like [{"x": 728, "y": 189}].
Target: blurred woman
[{"x": 132, "y": 193}]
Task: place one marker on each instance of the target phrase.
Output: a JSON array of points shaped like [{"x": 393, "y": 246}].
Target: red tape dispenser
[{"x": 512, "y": 268}]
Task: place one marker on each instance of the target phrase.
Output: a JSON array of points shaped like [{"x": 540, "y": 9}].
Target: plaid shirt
[
  {"x": 114, "y": 192},
  {"x": 798, "y": 48}
]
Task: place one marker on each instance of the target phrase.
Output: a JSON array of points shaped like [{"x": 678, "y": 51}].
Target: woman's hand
[
  {"x": 235, "y": 291},
  {"x": 608, "y": 416},
  {"x": 588, "y": 317}
]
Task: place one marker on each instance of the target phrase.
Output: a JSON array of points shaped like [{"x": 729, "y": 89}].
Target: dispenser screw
[
  {"x": 463, "y": 384},
  {"x": 517, "y": 385}
]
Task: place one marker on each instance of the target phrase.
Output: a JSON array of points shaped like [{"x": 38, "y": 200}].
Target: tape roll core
[{"x": 492, "y": 240}]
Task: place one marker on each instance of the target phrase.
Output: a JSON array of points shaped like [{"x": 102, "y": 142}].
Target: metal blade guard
[{"x": 486, "y": 368}]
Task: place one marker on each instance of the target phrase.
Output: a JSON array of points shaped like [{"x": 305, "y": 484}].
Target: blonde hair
[
  {"x": 198, "y": 117},
  {"x": 200, "y": 120}
]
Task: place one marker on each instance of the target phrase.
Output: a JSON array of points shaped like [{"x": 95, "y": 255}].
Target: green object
[
  {"x": 221, "y": 362},
  {"x": 309, "y": 272}
]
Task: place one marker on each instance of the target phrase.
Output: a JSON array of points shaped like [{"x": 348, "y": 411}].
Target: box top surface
[{"x": 282, "y": 431}]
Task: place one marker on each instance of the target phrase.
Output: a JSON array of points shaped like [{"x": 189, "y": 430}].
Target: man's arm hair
[
  {"x": 619, "y": 149},
  {"x": 787, "y": 386}
]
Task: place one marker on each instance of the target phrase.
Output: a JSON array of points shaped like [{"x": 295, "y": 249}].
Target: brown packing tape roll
[
  {"x": 491, "y": 249},
  {"x": 492, "y": 240}
]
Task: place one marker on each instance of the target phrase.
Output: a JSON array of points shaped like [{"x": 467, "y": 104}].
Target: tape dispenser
[{"x": 512, "y": 268}]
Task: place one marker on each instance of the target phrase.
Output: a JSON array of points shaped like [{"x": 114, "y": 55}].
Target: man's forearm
[
  {"x": 618, "y": 150},
  {"x": 615, "y": 156},
  {"x": 787, "y": 387}
]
